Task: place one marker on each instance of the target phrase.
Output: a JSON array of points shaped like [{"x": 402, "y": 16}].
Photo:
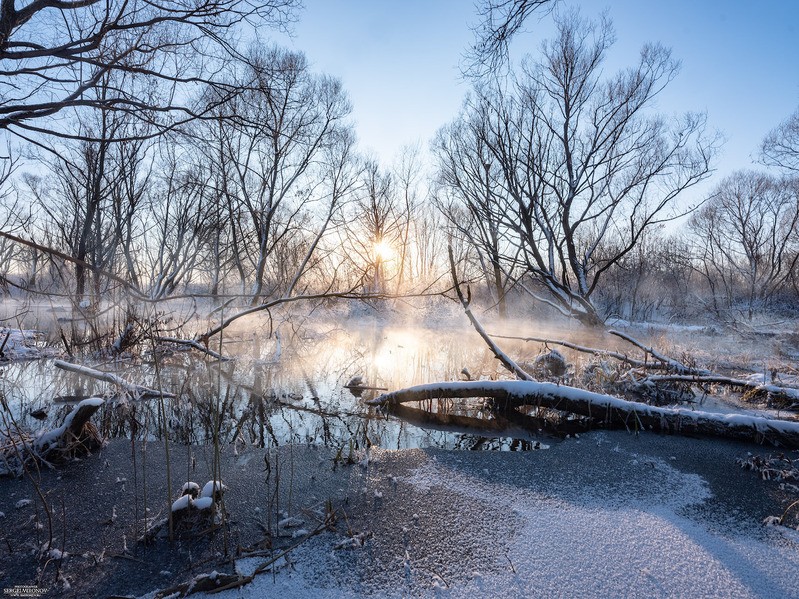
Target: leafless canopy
[
  {"x": 500, "y": 20},
  {"x": 747, "y": 241},
  {"x": 575, "y": 164},
  {"x": 53, "y": 52},
  {"x": 781, "y": 146}
]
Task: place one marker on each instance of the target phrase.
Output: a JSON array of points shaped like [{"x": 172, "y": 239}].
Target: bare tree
[
  {"x": 747, "y": 238},
  {"x": 407, "y": 174},
  {"x": 93, "y": 198},
  {"x": 176, "y": 226},
  {"x": 655, "y": 279},
  {"x": 375, "y": 229},
  {"x": 586, "y": 166},
  {"x": 780, "y": 148},
  {"x": 268, "y": 142},
  {"x": 339, "y": 171},
  {"x": 469, "y": 181},
  {"x": 15, "y": 216}
]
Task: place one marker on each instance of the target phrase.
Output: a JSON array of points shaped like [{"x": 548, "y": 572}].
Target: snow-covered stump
[
  {"x": 607, "y": 410},
  {"x": 194, "y": 513},
  {"x": 197, "y": 511},
  {"x": 76, "y": 436}
]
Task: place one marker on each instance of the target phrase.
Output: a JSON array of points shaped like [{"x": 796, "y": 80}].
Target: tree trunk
[{"x": 606, "y": 410}]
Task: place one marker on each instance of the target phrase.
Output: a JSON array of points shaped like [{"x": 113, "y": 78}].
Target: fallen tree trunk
[
  {"x": 607, "y": 410},
  {"x": 500, "y": 355},
  {"x": 668, "y": 363},
  {"x": 137, "y": 391}
]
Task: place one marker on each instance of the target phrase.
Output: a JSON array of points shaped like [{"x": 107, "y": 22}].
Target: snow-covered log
[
  {"x": 137, "y": 391},
  {"x": 583, "y": 349},
  {"x": 607, "y": 410}
]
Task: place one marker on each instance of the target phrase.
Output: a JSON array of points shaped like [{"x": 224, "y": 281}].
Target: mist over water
[
  {"x": 284, "y": 384},
  {"x": 287, "y": 379}
]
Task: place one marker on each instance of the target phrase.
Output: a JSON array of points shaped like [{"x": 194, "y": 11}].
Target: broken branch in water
[
  {"x": 685, "y": 374},
  {"x": 506, "y": 361},
  {"x": 787, "y": 393},
  {"x": 607, "y": 410},
  {"x": 137, "y": 391}
]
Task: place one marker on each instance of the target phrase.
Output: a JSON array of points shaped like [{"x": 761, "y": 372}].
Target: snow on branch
[
  {"x": 137, "y": 391},
  {"x": 581, "y": 348},
  {"x": 194, "y": 345},
  {"x": 669, "y": 363},
  {"x": 791, "y": 393},
  {"x": 606, "y": 410}
]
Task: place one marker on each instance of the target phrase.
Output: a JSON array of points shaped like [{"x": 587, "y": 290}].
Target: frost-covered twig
[
  {"x": 137, "y": 391},
  {"x": 717, "y": 379},
  {"x": 670, "y": 363},
  {"x": 586, "y": 350},
  {"x": 606, "y": 409},
  {"x": 194, "y": 345}
]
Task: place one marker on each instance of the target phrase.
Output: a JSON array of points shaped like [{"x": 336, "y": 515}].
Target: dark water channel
[{"x": 281, "y": 389}]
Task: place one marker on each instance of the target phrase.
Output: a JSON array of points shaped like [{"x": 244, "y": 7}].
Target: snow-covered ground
[{"x": 608, "y": 515}]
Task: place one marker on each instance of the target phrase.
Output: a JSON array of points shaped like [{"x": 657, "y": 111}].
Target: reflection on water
[{"x": 284, "y": 388}]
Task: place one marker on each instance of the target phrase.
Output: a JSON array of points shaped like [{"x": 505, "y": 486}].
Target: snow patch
[{"x": 211, "y": 487}]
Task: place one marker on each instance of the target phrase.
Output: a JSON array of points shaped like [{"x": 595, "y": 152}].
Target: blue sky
[{"x": 399, "y": 61}]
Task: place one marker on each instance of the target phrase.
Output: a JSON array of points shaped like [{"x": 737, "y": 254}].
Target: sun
[{"x": 383, "y": 251}]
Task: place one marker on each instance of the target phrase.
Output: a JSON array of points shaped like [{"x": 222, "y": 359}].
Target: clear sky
[{"x": 399, "y": 61}]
